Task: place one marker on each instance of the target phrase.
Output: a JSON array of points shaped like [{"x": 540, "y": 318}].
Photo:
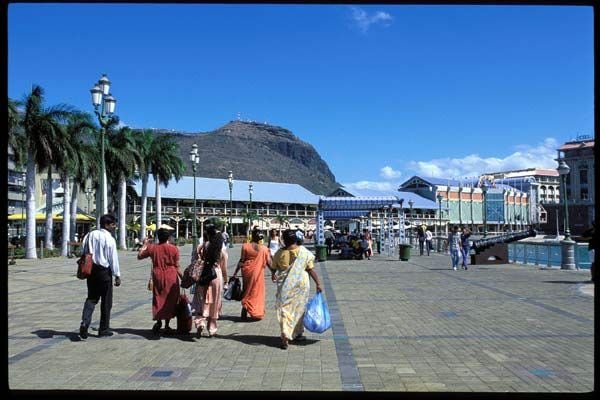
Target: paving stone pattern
[{"x": 398, "y": 326}]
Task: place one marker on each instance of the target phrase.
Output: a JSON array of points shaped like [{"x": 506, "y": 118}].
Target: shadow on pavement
[
  {"x": 256, "y": 340},
  {"x": 147, "y": 334},
  {"x": 567, "y": 282},
  {"x": 49, "y": 334}
]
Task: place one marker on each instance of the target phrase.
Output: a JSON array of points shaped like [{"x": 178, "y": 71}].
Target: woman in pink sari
[
  {"x": 253, "y": 259},
  {"x": 206, "y": 304}
]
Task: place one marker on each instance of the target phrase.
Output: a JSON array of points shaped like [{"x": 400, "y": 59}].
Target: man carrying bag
[{"x": 103, "y": 247}]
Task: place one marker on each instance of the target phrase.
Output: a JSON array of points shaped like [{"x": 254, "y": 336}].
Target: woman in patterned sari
[{"x": 291, "y": 267}]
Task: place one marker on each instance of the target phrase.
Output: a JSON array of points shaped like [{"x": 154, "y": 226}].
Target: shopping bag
[
  {"x": 316, "y": 317},
  {"x": 234, "y": 291},
  {"x": 184, "y": 315}
]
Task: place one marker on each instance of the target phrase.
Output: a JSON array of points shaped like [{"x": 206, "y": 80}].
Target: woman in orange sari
[{"x": 253, "y": 260}]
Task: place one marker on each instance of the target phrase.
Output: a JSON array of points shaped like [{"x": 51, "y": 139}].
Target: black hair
[
  {"x": 257, "y": 235},
  {"x": 163, "y": 235},
  {"x": 107, "y": 219},
  {"x": 289, "y": 237},
  {"x": 212, "y": 252}
]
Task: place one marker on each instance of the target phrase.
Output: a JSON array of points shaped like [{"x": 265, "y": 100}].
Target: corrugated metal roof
[
  {"x": 218, "y": 189},
  {"x": 418, "y": 201}
]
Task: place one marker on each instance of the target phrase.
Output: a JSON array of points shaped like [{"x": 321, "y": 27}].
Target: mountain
[{"x": 257, "y": 152}]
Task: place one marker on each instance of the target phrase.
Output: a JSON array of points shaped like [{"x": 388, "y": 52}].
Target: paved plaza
[{"x": 398, "y": 326}]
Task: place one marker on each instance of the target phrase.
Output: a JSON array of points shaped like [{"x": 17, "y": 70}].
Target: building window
[
  {"x": 583, "y": 176},
  {"x": 583, "y": 194}
]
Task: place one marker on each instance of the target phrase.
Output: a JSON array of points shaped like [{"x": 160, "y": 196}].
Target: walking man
[
  {"x": 464, "y": 245},
  {"x": 428, "y": 240},
  {"x": 421, "y": 237},
  {"x": 103, "y": 247},
  {"x": 455, "y": 246}
]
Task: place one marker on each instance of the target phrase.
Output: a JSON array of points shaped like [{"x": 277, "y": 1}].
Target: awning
[
  {"x": 357, "y": 203},
  {"x": 56, "y": 217},
  {"x": 342, "y": 214}
]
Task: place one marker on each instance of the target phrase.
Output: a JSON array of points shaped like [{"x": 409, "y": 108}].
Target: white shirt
[
  {"x": 428, "y": 235},
  {"x": 104, "y": 250},
  {"x": 273, "y": 246}
]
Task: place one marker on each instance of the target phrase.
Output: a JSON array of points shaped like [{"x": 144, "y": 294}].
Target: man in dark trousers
[{"x": 103, "y": 247}]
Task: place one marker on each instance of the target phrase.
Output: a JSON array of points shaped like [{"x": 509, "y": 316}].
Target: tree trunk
[
  {"x": 144, "y": 205},
  {"x": 122, "y": 213},
  {"x": 73, "y": 207},
  {"x": 158, "y": 203},
  {"x": 49, "y": 211},
  {"x": 30, "y": 250},
  {"x": 66, "y": 225}
]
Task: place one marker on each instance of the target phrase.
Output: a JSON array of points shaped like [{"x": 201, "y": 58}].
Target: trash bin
[
  {"x": 321, "y": 252},
  {"x": 405, "y": 252}
]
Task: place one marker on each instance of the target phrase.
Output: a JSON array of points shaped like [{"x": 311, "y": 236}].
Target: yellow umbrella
[
  {"x": 151, "y": 227},
  {"x": 42, "y": 216}
]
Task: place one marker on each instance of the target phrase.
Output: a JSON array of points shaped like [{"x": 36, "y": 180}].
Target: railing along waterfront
[{"x": 546, "y": 254}]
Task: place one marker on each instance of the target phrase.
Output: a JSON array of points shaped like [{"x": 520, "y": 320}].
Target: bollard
[
  {"x": 567, "y": 254},
  {"x": 41, "y": 249}
]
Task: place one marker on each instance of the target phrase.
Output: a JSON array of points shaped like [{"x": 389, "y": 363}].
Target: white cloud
[
  {"x": 388, "y": 172},
  {"x": 472, "y": 165},
  {"x": 386, "y": 186},
  {"x": 364, "y": 20},
  {"x": 525, "y": 156}
]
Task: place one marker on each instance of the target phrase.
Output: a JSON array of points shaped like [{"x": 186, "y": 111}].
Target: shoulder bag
[{"x": 84, "y": 263}]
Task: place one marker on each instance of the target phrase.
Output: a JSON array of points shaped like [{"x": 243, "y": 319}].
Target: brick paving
[{"x": 398, "y": 326}]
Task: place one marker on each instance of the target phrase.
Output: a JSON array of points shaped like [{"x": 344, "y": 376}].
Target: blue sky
[{"x": 382, "y": 92}]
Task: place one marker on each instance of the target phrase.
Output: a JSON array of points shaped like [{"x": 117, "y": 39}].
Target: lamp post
[
  {"x": 250, "y": 190},
  {"x": 194, "y": 159},
  {"x": 567, "y": 245},
  {"x": 88, "y": 196},
  {"x": 484, "y": 190},
  {"x": 439, "y": 243},
  {"x": 230, "y": 181},
  {"x": 101, "y": 96},
  {"x": 410, "y": 204}
]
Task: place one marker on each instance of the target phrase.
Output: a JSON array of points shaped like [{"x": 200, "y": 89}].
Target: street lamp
[
  {"x": 410, "y": 204},
  {"x": 568, "y": 246},
  {"x": 230, "y": 181},
  {"x": 88, "y": 195},
  {"x": 439, "y": 243},
  {"x": 101, "y": 96},
  {"x": 484, "y": 190},
  {"x": 250, "y": 187},
  {"x": 194, "y": 159}
]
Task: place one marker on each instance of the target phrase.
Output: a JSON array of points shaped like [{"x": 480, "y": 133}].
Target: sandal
[{"x": 284, "y": 344}]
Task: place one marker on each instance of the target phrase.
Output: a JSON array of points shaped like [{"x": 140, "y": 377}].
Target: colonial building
[{"x": 578, "y": 154}]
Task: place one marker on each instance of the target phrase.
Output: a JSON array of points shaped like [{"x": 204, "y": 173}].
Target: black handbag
[
  {"x": 234, "y": 291},
  {"x": 207, "y": 275}
]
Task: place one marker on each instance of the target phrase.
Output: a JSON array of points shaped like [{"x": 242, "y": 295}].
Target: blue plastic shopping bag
[{"x": 316, "y": 317}]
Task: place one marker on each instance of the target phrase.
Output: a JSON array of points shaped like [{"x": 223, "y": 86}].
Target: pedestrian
[
  {"x": 206, "y": 303},
  {"x": 292, "y": 265},
  {"x": 421, "y": 238},
  {"x": 225, "y": 238},
  {"x": 591, "y": 237},
  {"x": 369, "y": 239},
  {"x": 454, "y": 245},
  {"x": 329, "y": 238},
  {"x": 253, "y": 260},
  {"x": 465, "y": 246},
  {"x": 428, "y": 240},
  {"x": 274, "y": 241},
  {"x": 105, "y": 264},
  {"x": 164, "y": 279}
]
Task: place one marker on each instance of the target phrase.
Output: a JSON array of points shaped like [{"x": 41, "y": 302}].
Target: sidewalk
[{"x": 398, "y": 326}]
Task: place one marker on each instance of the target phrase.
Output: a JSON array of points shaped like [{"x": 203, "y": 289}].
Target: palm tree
[
  {"x": 164, "y": 164},
  {"x": 123, "y": 156},
  {"x": 143, "y": 141},
  {"x": 41, "y": 128},
  {"x": 79, "y": 126}
]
